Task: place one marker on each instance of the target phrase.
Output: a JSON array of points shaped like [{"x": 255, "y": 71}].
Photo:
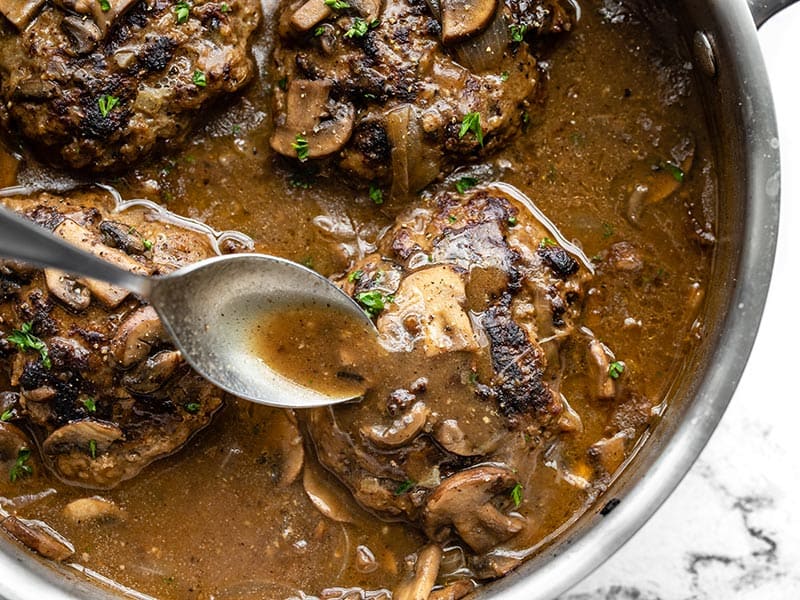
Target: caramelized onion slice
[
  {"x": 412, "y": 166},
  {"x": 485, "y": 51}
]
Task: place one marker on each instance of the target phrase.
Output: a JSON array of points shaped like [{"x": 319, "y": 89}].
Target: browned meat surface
[
  {"x": 400, "y": 90},
  {"x": 87, "y": 367},
  {"x": 476, "y": 293},
  {"x": 97, "y": 89}
]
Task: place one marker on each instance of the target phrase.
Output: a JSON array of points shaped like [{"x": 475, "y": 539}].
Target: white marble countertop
[{"x": 731, "y": 531}]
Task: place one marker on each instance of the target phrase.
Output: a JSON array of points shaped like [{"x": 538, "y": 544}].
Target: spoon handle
[{"x": 22, "y": 240}]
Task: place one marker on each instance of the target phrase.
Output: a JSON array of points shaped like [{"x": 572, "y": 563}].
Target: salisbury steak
[
  {"x": 403, "y": 89},
  {"x": 476, "y": 295},
  {"x": 100, "y": 88},
  {"x": 88, "y": 369}
]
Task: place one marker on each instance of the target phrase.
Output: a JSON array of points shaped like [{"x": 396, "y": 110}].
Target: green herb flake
[
  {"x": 337, "y": 4},
  {"x": 404, "y": 487},
  {"x": 452, "y": 219},
  {"x": 376, "y": 194},
  {"x": 512, "y": 220},
  {"x": 199, "y": 78},
  {"x": 106, "y": 103},
  {"x": 465, "y": 183},
  {"x": 308, "y": 262},
  {"x": 225, "y": 7},
  {"x": 90, "y": 405},
  {"x": 545, "y": 242},
  {"x": 300, "y": 145},
  {"x": 358, "y": 29},
  {"x": 282, "y": 83},
  {"x": 518, "y": 32},
  {"x": 26, "y": 341},
  {"x": 373, "y": 302},
  {"x": 182, "y": 10},
  {"x": 473, "y": 377},
  {"x": 20, "y": 469},
  {"x": 192, "y": 407},
  {"x": 608, "y": 230},
  {"x": 355, "y": 276},
  {"x": 7, "y": 416},
  {"x": 319, "y": 31},
  {"x": 93, "y": 449},
  {"x": 105, "y": 5},
  {"x": 504, "y": 76},
  {"x": 148, "y": 244},
  {"x": 472, "y": 122},
  {"x": 677, "y": 173},
  {"x": 616, "y": 369},
  {"x": 516, "y": 495}
]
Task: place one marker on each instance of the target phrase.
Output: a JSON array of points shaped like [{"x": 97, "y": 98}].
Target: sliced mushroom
[
  {"x": 465, "y": 501},
  {"x": 600, "y": 358},
  {"x": 86, "y": 435},
  {"x": 67, "y": 289},
  {"x": 401, "y": 431},
  {"x": 453, "y": 591},
  {"x": 369, "y": 9},
  {"x": 136, "y": 337},
  {"x": 92, "y": 509},
  {"x": 40, "y": 537},
  {"x": 12, "y": 440},
  {"x": 450, "y": 435},
  {"x": 105, "y": 19},
  {"x": 79, "y": 236},
  {"x": 310, "y": 14},
  {"x": 84, "y": 33},
  {"x": 429, "y": 306},
  {"x": 421, "y": 581},
  {"x": 41, "y": 394},
  {"x": 326, "y": 494},
  {"x": 154, "y": 373},
  {"x": 283, "y": 448},
  {"x": 325, "y": 126},
  {"x": 119, "y": 235},
  {"x": 20, "y": 12},
  {"x": 609, "y": 452},
  {"x": 462, "y": 19}
]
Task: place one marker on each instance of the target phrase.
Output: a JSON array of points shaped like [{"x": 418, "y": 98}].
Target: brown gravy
[{"x": 211, "y": 521}]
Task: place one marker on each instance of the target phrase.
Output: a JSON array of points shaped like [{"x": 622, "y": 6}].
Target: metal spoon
[{"x": 209, "y": 308}]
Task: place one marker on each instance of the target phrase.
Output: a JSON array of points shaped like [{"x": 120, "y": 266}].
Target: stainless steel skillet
[{"x": 731, "y": 74}]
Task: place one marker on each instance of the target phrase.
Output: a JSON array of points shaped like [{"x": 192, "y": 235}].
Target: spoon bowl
[{"x": 211, "y": 309}]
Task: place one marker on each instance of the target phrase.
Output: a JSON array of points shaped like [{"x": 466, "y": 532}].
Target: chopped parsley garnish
[
  {"x": 106, "y": 102},
  {"x": 452, "y": 218},
  {"x": 148, "y": 245},
  {"x": 26, "y": 341},
  {"x": 616, "y": 369},
  {"x": 105, "y": 5},
  {"x": 182, "y": 10},
  {"x": 465, "y": 183},
  {"x": 300, "y": 145},
  {"x": 526, "y": 122},
  {"x": 7, "y": 415},
  {"x": 337, "y": 4},
  {"x": 319, "y": 31},
  {"x": 373, "y": 302},
  {"x": 355, "y": 276},
  {"x": 512, "y": 220},
  {"x": 20, "y": 469},
  {"x": 518, "y": 32},
  {"x": 673, "y": 169},
  {"x": 376, "y": 194},
  {"x": 89, "y": 404},
  {"x": 472, "y": 122},
  {"x": 93, "y": 448},
  {"x": 516, "y": 495},
  {"x": 360, "y": 27},
  {"x": 547, "y": 242},
  {"x": 404, "y": 487},
  {"x": 225, "y": 7},
  {"x": 608, "y": 230},
  {"x": 192, "y": 407},
  {"x": 504, "y": 76},
  {"x": 282, "y": 83},
  {"x": 199, "y": 78}
]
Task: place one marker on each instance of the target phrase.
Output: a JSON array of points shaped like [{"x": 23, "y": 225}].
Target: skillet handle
[{"x": 764, "y": 9}]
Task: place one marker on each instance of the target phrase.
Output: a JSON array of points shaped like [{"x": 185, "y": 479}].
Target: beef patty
[{"x": 100, "y": 89}]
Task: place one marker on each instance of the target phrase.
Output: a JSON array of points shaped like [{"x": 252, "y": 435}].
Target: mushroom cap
[{"x": 462, "y": 19}]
